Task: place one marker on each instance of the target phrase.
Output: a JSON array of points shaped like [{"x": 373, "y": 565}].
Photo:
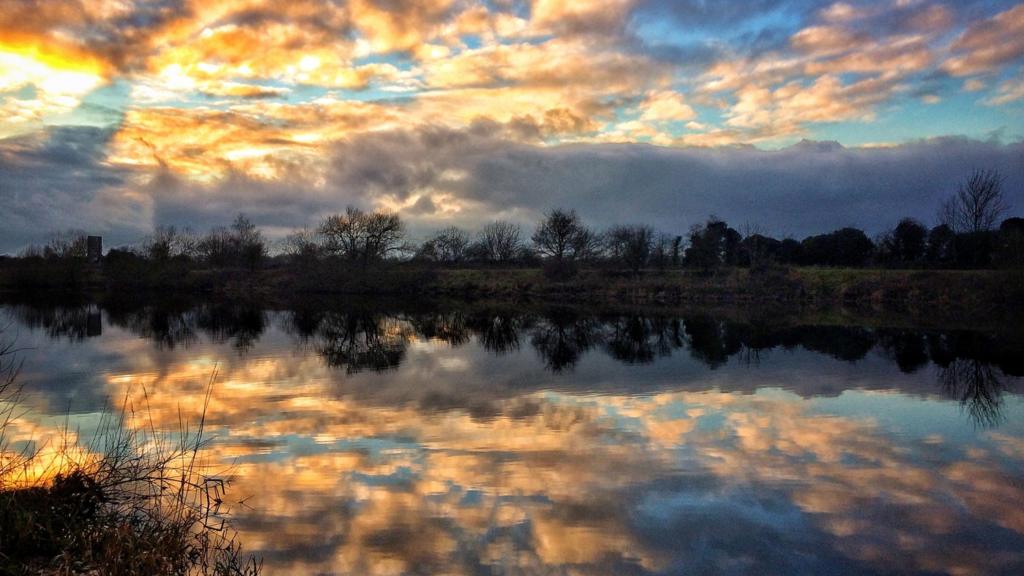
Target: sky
[{"x": 788, "y": 117}]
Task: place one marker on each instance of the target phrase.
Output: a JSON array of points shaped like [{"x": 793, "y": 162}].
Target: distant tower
[{"x": 94, "y": 248}]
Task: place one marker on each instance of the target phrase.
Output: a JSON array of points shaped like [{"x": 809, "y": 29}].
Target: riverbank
[
  {"x": 921, "y": 291},
  {"x": 899, "y": 289}
]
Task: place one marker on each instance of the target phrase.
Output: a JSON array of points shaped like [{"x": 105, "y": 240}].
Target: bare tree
[
  {"x": 977, "y": 204},
  {"x": 215, "y": 248},
  {"x": 302, "y": 246},
  {"x": 448, "y": 245},
  {"x": 360, "y": 236},
  {"x": 631, "y": 245},
  {"x": 384, "y": 233},
  {"x": 563, "y": 236},
  {"x": 158, "y": 245},
  {"x": 66, "y": 244},
  {"x": 341, "y": 233},
  {"x": 248, "y": 242},
  {"x": 665, "y": 250},
  {"x": 500, "y": 241},
  {"x": 242, "y": 244}
]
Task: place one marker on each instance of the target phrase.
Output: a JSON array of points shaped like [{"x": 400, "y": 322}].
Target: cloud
[
  {"x": 58, "y": 179},
  {"x": 219, "y": 97},
  {"x": 436, "y": 176},
  {"x": 666, "y": 105},
  {"x": 988, "y": 44},
  {"x": 577, "y": 473},
  {"x": 1010, "y": 90},
  {"x": 800, "y": 190},
  {"x": 455, "y": 61}
]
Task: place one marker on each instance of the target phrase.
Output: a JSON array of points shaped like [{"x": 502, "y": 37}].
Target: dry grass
[{"x": 143, "y": 502}]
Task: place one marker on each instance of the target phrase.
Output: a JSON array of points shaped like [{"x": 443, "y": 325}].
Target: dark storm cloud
[
  {"x": 804, "y": 189},
  {"x": 61, "y": 180},
  {"x": 268, "y": 203},
  {"x": 57, "y": 179}
]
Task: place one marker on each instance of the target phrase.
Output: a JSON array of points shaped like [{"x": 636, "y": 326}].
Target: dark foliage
[{"x": 847, "y": 247}]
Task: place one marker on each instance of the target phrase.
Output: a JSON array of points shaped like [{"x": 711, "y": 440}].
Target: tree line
[{"x": 968, "y": 234}]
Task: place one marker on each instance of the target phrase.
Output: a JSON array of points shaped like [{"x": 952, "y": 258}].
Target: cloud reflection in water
[{"x": 484, "y": 441}]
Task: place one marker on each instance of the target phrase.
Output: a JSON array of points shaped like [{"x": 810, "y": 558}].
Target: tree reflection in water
[
  {"x": 639, "y": 339},
  {"x": 365, "y": 341},
  {"x": 562, "y": 336},
  {"x": 594, "y": 441},
  {"x": 498, "y": 331},
  {"x": 977, "y": 387},
  {"x": 975, "y": 368}
]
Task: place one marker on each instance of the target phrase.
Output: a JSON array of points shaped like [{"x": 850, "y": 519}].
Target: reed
[{"x": 138, "y": 501}]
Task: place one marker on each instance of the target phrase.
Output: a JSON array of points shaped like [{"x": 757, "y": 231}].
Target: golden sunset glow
[
  {"x": 197, "y": 99},
  {"x": 385, "y": 477}
]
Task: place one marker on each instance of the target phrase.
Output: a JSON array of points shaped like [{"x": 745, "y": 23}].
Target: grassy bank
[
  {"x": 967, "y": 290},
  {"x": 899, "y": 288}
]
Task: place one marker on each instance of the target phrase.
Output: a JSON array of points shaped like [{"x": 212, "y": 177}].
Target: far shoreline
[{"x": 916, "y": 293}]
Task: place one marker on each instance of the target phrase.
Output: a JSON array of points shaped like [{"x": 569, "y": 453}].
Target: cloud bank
[{"x": 438, "y": 176}]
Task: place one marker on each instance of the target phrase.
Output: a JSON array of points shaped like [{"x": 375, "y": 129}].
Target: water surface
[{"x": 487, "y": 439}]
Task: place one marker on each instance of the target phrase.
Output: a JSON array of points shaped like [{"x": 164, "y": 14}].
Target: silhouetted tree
[
  {"x": 248, "y": 243},
  {"x": 66, "y": 245},
  {"x": 447, "y": 246},
  {"x": 712, "y": 245},
  {"x": 791, "y": 251},
  {"x": 848, "y": 247},
  {"x": 630, "y": 245},
  {"x": 158, "y": 247},
  {"x": 974, "y": 249},
  {"x": 362, "y": 237},
  {"x": 167, "y": 242},
  {"x": 241, "y": 245},
  {"x": 1010, "y": 248},
  {"x": 302, "y": 246},
  {"x": 563, "y": 236},
  {"x": 563, "y": 239},
  {"x": 215, "y": 247},
  {"x": 758, "y": 251},
  {"x": 941, "y": 249},
  {"x": 662, "y": 250},
  {"x": 905, "y": 244},
  {"x": 500, "y": 241},
  {"x": 677, "y": 251},
  {"x": 977, "y": 204}
]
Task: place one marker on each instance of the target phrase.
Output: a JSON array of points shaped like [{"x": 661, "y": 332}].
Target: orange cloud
[
  {"x": 401, "y": 25},
  {"x": 1010, "y": 90},
  {"x": 988, "y": 44},
  {"x": 60, "y": 74}
]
